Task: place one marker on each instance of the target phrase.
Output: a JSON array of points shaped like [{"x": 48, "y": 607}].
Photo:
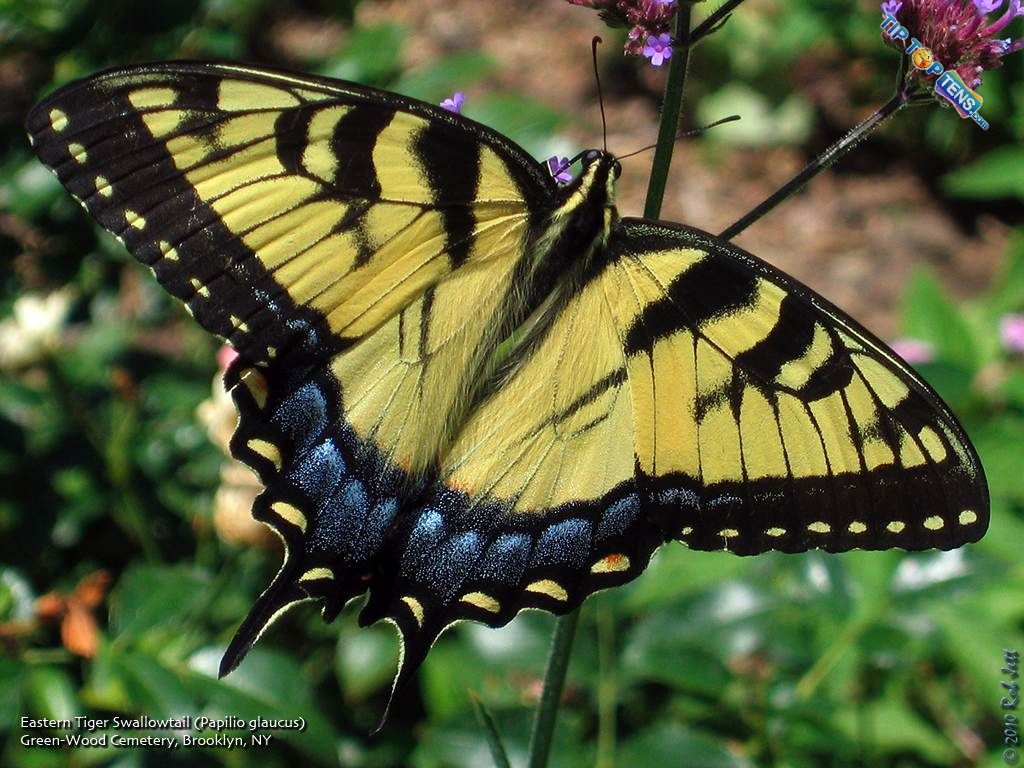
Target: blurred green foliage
[{"x": 881, "y": 659}]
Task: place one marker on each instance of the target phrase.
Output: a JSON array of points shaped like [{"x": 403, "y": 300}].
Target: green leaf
[
  {"x": 523, "y": 120},
  {"x": 372, "y": 55},
  {"x": 896, "y": 728},
  {"x": 444, "y": 77},
  {"x": 153, "y": 596},
  {"x": 17, "y": 598},
  {"x": 445, "y": 677},
  {"x": 270, "y": 685},
  {"x": 929, "y": 314},
  {"x": 50, "y": 692},
  {"x": 494, "y": 740},
  {"x": 676, "y": 572},
  {"x": 1008, "y": 287},
  {"x": 1000, "y": 444},
  {"x": 152, "y": 687},
  {"x": 675, "y": 744},
  {"x": 30, "y": 191},
  {"x": 1000, "y": 173},
  {"x": 695, "y": 667},
  {"x": 365, "y": 660},
  {"x": 12, "y": 673}
]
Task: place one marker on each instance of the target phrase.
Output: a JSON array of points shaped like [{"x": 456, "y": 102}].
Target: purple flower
[
  {"x": 644, "y": 18},
  {"x": 454, "y": 104},
  {"x": 914, "y": 351},
  {"x": 658, "y": 48},
  {"x": 960, "y": 33},
  {"x": 558, "y": 167},
  {"x": 1011, "y": 331}
]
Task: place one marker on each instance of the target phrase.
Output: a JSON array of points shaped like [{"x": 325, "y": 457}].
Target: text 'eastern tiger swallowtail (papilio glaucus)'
[{"x": 469, "y": 391}]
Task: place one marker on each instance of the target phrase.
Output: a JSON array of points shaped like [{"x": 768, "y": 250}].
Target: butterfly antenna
[
  {"x": 684, "y": 134},
  {"x": 600, "y": 96}
]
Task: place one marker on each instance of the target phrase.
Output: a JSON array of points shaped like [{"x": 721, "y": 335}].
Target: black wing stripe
[
  {"x": 453, "y": 175},
  {"x": 703, "y": 293}
]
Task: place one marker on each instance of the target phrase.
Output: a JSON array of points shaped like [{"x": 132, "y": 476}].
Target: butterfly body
[{"x": 469, "y": 391}]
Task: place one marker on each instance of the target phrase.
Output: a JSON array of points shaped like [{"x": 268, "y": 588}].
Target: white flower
[{"x": 34, "y": 328}]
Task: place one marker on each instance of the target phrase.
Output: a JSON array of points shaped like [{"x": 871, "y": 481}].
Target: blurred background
[{"x": 127, "y": 555}]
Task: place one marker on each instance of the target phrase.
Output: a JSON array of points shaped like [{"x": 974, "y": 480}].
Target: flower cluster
[
  {"x": 963, "y": 34},
  {"x": 649, "y": 22}
]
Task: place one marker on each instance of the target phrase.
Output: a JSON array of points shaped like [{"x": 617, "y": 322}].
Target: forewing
[
  {"x": 768, "y": 419},
  {"x": 291, "y": 214}
]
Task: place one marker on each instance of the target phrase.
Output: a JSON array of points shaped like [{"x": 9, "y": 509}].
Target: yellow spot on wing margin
[
  {"x": 550, "y": 588},
  {"x": 857, "y": 527},
  {"x": 78, "y": 152},
  {"x": 968, "y": 516},
  {"x": 934, "y": 523},
  {"x": 267, "y": 450},
  {"x": 168, "y": 250},
  {"x": 819, "y": 527},
  {"x": 58, "y": 120},
  {"x": 201, "y": 289},
  {"x": 257, "y": 386},
  {"x": 291, "y": 513},
  {"x": 482, "y": 600},
  {"x": 896, "y": 526},
  {"x": 415, "y": 607},
  {"x": 315, "y": 574},
  {"x": 613, "y": 563}
]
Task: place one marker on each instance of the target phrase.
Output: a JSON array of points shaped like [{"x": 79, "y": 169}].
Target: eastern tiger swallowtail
[{"x": 469, "y": 391}]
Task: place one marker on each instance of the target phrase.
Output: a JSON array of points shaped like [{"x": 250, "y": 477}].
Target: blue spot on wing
[
  {"x": 680, "y": 497},
  {"x": 377, "y": 522},
  {"x": 320, "y": 471},
  {"x": 567, "y": 542},
  {"x": 424, "y": 537},
  {"x": 618, "y": 517},
  {"x": 446, "y": 570},
  {"x": 339, "y": 520},
  {"x": 505, "y": 559},
  {"x": 303, "y": 416}
]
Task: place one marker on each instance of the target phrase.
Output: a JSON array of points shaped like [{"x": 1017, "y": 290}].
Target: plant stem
[
  {"x": 839, "y": 647},
  {"x": 822, "y": 162},
  {"x": 670, "y": 109},
  {"x": 554, "y": 681},
  {"x": 607, "y": 690},
  {"x": 713, "y": 22},
  {"x": 494, "y": 741}
]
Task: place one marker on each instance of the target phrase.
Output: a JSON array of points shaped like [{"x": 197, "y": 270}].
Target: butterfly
[{"x": 469, "y": 390}]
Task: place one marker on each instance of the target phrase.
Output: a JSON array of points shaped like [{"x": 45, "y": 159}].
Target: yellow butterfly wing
[
  {"x": 688, "y": 391},
  {"x": 299, "y": 216}
]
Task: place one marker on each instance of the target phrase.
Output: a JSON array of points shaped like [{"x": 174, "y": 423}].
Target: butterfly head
[
  {"x": 601, "y": 171},
  {"x": 594, "y": 188}
]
